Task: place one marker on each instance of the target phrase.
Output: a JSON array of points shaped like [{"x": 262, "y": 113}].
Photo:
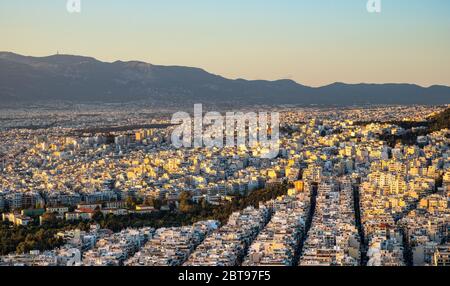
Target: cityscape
[
  {"x": 212, "y": 141},
  {"x": 348, "y": 188}
]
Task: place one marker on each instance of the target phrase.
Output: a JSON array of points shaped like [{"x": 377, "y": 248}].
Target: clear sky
[{"x": 314, "y": 42}]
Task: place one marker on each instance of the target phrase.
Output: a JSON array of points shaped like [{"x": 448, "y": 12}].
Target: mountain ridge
[{"x": 86, "y": 79}]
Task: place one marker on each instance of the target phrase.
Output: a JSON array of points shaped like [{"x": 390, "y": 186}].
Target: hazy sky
[{"x": 314, "y": 42}]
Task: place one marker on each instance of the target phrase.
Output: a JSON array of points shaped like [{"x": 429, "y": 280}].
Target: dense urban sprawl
[{"x": 351, "y": 197}]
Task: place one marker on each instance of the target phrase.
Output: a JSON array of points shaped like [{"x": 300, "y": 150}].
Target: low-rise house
[
  {"x": 17, "y": 219},
  {"x": 114, "y": 211},
  {"x": 80, "y": 214},
  {"x": 89, "y": 206},
  {"x": 60, "y": 211}
]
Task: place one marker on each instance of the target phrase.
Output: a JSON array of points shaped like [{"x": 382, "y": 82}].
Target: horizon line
[{"x": 228, "y": 78}]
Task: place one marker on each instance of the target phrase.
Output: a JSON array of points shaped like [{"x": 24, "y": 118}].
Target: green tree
[
  {"x": 149, "y": 201},
  {"x": 157, "y": 204},
  {"x": 98, "y": 216},
  {"x": 131, "y": 202},
  {"x": 185, "y": 202}
]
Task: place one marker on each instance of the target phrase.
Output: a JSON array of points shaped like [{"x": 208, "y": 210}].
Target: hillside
[{"x": 85, "y": 79}]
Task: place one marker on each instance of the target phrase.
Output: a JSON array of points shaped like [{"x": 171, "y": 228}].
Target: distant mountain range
[{"x": 84, "y": 79}]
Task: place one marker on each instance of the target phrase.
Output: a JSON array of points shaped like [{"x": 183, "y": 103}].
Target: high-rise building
[{"x": 442, "y": 256}]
